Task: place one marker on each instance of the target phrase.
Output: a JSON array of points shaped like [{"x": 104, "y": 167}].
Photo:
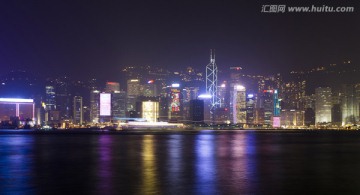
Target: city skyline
[
  {"x": 179, "y": 97},
  {"x": 270, "y": 62},
  {"x": 246, "y": 99}
]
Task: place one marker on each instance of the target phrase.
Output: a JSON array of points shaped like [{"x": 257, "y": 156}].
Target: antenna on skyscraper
[{"x": 214, "y": 55}]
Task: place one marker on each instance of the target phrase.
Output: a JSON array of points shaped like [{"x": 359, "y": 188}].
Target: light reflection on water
[
  {"x": 149, "y": 167},
  {"x": 205, "y": 164},
  {"x": 208, "y": 162},
  {"x": 175, "y": 162},
  {"x": 16, "y": 164},
  {"x": 237, "y": 163},
  {"x": 104, "y": 170}
]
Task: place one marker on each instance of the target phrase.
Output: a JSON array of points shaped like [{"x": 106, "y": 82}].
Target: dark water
[{"x": 206, "y": 162}]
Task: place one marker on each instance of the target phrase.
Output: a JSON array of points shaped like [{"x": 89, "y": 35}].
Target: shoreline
[{"x": 162, "y": 131}]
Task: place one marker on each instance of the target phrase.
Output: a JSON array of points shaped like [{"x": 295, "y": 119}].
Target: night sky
[{"x": 87, "y": 38}]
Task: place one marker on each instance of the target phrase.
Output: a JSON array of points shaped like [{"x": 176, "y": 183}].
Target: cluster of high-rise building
[{"x": 155, "y": 94}]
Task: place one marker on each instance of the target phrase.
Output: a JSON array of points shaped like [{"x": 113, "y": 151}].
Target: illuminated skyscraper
[
  {"x": 292, "y": 95},
  {"x": 222, "y": 113},
  {"x": 50, "y": 100},
  {"x": 94, "y": 106},
  {"x": 350, "y": 104},
  {"x": 133, "y": 87},
  {"x": 250, "y": 108},
  {"x": 78, "y": 110},
  {"x": 276, "y": 118},
  {"x": 231, "y": 87},
  {"x": 276, "y": 102},
  {"x": 148, "y": 107},
  {"x": 174, "y": 100},
  {"x": 118, "y": 104},
  {"x": 323, "y": 105},
  {"x": 50, "y": 105},
  {"x": 239, "y": 104},
  {"x": 63, "y": 98},
  {"x": 265, "y": 107},
  {"x": 222, "y": 94},
  {"x": 212, "y": 83},
  {"x": 207, "y": 108},
  {"x": 268, "y": 105},
  {"x": 133, "y": 91},
  {"x": 105, "y": 107},
  {"x": 189, "y": 93}
]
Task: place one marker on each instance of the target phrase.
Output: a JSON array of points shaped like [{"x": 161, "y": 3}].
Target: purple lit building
[{"x": 24, "y": 109}]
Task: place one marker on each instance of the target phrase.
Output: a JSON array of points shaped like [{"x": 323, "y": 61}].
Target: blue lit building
[{"x": 276, "y": 103}]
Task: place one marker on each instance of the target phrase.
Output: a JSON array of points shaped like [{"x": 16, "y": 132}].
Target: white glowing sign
[
  {"x": 175, "y": 85},
  {"x": 105, "y": 104},
  {"x": 17, "y": 100},
  {"x": 204, "y": 96}
]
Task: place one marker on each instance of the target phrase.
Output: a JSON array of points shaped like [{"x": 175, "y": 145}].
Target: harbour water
[{"x": 181, "y": 162}]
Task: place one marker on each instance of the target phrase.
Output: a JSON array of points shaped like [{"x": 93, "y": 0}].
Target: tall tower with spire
[{"x": 212, "y": 83}]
